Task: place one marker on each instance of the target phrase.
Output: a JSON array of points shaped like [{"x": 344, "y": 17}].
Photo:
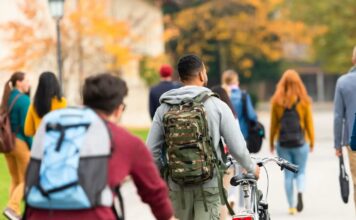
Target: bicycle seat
[{"x": 236, "y": 180}]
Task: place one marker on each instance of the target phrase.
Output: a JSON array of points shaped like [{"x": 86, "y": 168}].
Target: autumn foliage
[
  {"x": 333, "y": 48},
  {"x": 90, "y": 36},
  {"x": 240, "y": 31},
  {"x": 26, "y": 37}
]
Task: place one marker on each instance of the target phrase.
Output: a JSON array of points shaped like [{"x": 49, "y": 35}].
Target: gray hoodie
[{"x": 221, "y": 122}]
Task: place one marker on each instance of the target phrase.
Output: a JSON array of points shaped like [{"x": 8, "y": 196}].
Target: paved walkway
[{"x": 322, "y": 197}]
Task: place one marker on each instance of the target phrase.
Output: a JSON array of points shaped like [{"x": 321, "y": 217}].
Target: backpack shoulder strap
[
  {"x": 14, "y": 102},
  {"x": 294, "y": 106},
  {"x": 244, "y": 103},
  {"x": 112, "y": 143},
  {"x": 118, "y": 205},
  {"x": 202, "y": 97}
]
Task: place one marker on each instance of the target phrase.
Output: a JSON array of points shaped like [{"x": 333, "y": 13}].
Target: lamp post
[{"x": 57, "y": 10}]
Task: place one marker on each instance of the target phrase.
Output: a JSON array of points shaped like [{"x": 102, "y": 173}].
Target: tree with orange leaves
[
  {"x": 91, "y": 37},
  {"x": 235, "y": 33},
  {"x": 27, "y": 37}
]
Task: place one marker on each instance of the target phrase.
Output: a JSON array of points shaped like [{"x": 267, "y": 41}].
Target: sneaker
[
  {"x": 11, "y": 214},
  {"x": 300, "y": 202},
  {"x": 292, "y": 211}
]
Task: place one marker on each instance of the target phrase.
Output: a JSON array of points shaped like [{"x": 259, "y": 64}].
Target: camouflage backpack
[
  {"x": 189, "y": 150},
  {"x": 191, "y": 156}
]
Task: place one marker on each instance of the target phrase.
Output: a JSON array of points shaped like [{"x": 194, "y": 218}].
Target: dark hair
[
  {"x": 224, "y": 97},
  {"x": 15, "y": 77},
  {"x": 188, "y": 67},
  {"x": 104, "y": 92},
  {"x": 48, "y": 88}
]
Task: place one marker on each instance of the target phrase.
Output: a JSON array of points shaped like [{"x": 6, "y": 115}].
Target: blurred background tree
[
  {"x": 91, "y": 38},
  {"x": 334, "y": 48},
  {"x": 246, "y": 35},
  {"x": 149, "y": 68},
  {"x": 27, "y": 37}
]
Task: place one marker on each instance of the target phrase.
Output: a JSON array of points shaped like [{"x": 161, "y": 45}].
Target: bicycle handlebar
[
  {"x": 284, "y": 164},
  {"x": 291, "y": 167}
]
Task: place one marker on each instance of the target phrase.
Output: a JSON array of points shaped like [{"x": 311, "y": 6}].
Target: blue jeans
[{"x": 299, "y": 157}]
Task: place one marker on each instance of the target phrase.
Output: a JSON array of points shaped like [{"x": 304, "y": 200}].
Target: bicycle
[{"x": 254, "y": 206}]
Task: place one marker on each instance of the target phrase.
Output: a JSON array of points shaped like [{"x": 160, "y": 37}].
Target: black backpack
[
  {"x": 256, "y": 131},
  {"x": 291, "y": 134}
]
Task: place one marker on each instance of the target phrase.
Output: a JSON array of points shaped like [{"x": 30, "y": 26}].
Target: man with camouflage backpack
[{"x": 184, "y": 139}]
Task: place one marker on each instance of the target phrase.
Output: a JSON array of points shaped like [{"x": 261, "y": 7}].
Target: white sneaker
[{"x": 11, "y": 214}]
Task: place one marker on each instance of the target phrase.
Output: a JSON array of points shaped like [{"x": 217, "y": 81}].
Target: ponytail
[
  {"x": 6, "y": 95},
  {"x": 17, "y": 76}
]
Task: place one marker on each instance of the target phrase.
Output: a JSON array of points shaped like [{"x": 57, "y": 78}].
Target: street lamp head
[{"x": 56, "y": 8}]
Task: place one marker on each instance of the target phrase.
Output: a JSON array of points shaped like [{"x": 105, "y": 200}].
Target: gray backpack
[{"x": 68, "y": 169}]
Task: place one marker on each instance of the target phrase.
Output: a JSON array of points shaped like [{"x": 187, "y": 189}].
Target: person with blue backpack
[
  {"x": 344, "y": 115},
  {"x": 252, "y": 130},
  {"x": 80, "y": 158},
  {"x": 240, "y": 99}
]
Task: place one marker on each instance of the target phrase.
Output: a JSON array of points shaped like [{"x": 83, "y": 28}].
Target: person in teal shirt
[
  {"x": 17, "y": 160},
  {"x": 18, "y": 115}
]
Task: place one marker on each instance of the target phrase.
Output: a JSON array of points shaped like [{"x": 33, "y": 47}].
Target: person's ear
[
  {"x": 201, "y": 76},
  {"x": 118, "y": 112}
]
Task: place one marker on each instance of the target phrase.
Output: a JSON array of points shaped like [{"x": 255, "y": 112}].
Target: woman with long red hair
[{"x": 292, "y": 132}]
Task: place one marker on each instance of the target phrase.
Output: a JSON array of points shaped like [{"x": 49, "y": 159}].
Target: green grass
[
  {"x": 4, "y": 184},
  {"x": 5, "y": 178},
  {"x": 141, "y": 133}
]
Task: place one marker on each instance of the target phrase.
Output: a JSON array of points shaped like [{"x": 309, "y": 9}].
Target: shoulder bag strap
[
  {"x": 13, "y": 103},
  {"x": 244, "y": 108},
  {"x": 244, "y": 104}
]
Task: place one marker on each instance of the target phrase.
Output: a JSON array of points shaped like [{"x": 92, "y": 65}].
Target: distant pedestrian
[
  {"x": 344, "y": 115},
  {"x": 224, "y": 96},
  {"x": 230, "y": 80},
  {"x": 252, "y": 130},
  {"x": 165, "y": 85},
  {"x": 293, "y": 130},
  {"x": 48, "y": 97},
  {"x": 15, "y": 97}
]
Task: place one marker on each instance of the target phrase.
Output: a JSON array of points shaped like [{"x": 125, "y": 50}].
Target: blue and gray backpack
[{"x": 68, "y": 169}]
